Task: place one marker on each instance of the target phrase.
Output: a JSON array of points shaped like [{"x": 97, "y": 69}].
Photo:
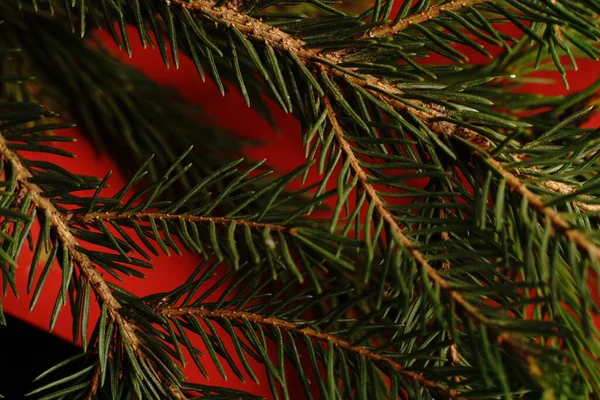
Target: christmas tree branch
[
  {"x": 435, "y": 116},
  {"x": 231, "y": 315},
  {"x": 396, "y": 230},
  {"x": 145, "y": 216},
  {"x": 483, "y": 260},
  {"x": 507, "y": 340},
  {"x": 431, "y": 114},
  {"x": 70, "y": 243}
]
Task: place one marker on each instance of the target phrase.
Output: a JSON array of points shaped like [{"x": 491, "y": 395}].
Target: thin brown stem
[
  {"x": 309, "y": 332},
  {"x": 423, "y": 16},
  {"x": 58, "y": 222},
  {"x": 95, "y": 382},
  {"x": 144, "y": 216},
  {"x": 563, "y": 188}
]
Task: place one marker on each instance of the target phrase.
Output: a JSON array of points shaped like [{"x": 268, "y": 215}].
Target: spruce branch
[
  {"x": 59, "y": 224},
  {"x": 231, "y": 315},
  {"x": 432, "y": 114},
  {"x": 279, "y": 231},
  {"x": 490, "y": 258},
  {"x": 62, "y": 229},
  {"x": 331, "y": 63},
  {"x": 397, "y": 232},
  {"x": 381, "y": 208},
  {"x": 289, "y": 320},
  {"x": 143, "y": 216}
]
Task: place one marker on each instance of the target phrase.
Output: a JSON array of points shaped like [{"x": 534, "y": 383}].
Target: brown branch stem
[
  {"x": 423, "y": 16},
  {"x": 95, "y": 382},
  {"x": 141, "y": 216},
  {"x": 563, "y": 188},
  {"x": 86, "y": 267},
  {"x": 309, "y": 332}
]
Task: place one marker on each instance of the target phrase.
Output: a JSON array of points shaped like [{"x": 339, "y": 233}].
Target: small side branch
[
  {"x": 145, "y": 216},
  {"x": 563, "y": 188},
  {"x": 423, "y": 16},
  {"x": 232, "y": 315},
  {"x": 503, "y": 339},
  {"x": 388, "y": 217}
]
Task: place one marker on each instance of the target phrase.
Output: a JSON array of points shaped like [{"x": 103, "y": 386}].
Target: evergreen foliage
[{"x": 474, "y": 284}]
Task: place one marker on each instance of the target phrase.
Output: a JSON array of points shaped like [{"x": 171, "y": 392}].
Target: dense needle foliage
[{"x": 456, "y": 263}]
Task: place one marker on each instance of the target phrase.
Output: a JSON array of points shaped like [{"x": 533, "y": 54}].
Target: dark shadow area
[{"x": 25, "y": 352}]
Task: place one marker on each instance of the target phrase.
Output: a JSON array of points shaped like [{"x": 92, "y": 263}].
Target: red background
[{"x": 283, "y": 150}]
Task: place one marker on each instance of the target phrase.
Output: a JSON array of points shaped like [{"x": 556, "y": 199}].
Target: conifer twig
[
  {"x": 308, "y": 332},
  {"x": 426, "y": 15},
  {"x": 387, "y": 216},
  {"x": 563, "y": 188},
  {"x": 61, "y": 227},
  {"x": 142, "y": 216},
  {"x": 503, "y": 339}
]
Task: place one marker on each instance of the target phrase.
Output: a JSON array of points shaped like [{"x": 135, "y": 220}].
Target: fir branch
[
  {"x": 66, "y": 238},
  {"x": 171, "y": 312},
  {"x": 397, "y": 231},
  {"x": 508, "y": 341},
  {"x": 63, "y": 232},
  {"x": 432, "y": 114},
  {"x": 427, "y": 14},
  {"x": 144, "y": 216},
  {"x": 495, "y": 275}
]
